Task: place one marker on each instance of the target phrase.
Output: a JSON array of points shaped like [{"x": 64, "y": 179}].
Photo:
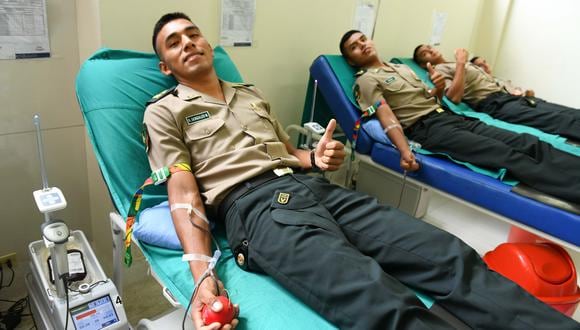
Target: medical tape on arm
[
  {"x": 212, "y": 261},
  {"x": 189, "y": 208},
  {"x": 158, "y": 177},
  {"x": 390, "y": 127}
]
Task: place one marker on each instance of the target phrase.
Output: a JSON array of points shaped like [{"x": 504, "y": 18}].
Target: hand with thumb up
[
  {"x": 436, "y": 77},
  {"x": 329, "y": 153}
]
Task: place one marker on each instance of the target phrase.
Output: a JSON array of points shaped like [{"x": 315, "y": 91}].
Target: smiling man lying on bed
[{"x": 339, "y": 251}]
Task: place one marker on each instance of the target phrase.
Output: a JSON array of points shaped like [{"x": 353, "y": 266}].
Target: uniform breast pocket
[
  {"x": 393, "y": 85},
  {"x": 203, "y": 139},
  {"x": 261, "y": 127}
]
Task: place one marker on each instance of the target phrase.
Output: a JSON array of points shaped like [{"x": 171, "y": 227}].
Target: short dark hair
[
  {"x": 161, "y": 22},
  {"x": 475, "y": 58},
  {"x": 344, "y": 39},
  {"x": 416, "y": 54}
]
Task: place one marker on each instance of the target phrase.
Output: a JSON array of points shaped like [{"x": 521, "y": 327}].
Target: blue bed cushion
[
  {"x": 155, "y": 227},
  {"x": 486, "y": 192}
]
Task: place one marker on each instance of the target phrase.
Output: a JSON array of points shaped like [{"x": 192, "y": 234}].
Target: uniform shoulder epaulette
[
  {"x": 242, "y": 85},
  {"x": 161, "y": 95},
  {"x": 360, "y": 72}
]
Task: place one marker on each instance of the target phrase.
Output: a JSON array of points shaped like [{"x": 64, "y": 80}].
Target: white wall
[
  {"x": 404, "y": 24},
  {"x": 489, "y": 30},
  {"x": 540, "y": 48}
]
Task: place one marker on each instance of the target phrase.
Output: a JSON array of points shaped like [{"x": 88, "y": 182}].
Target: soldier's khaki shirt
[
  {"x": 225, "y": 143},
  {"x": 509, "y": 87},
  {"x": 403, "y": 91},
  {"x": 478, "y": 84}
]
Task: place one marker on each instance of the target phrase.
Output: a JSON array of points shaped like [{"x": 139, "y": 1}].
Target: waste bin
[{"x": 543, "y": 269}]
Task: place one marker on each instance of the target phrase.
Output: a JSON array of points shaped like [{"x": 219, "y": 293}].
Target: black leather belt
[{"x": 248, "y": 185}]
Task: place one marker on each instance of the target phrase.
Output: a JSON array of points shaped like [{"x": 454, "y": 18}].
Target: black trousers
[
  {"x": 352, "y": 260},
  {"x": 526, "y": 158},
  {"x": 545, "y": 116}
]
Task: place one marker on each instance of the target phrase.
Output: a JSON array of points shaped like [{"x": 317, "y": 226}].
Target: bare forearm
[
  {"x": 302, "y": 155},
  {"x": 457, "y": 87},
  {"x": 182, "y": 189},
  {"x": 395, "y": 132},
  {"x": 437, "y": 92}
]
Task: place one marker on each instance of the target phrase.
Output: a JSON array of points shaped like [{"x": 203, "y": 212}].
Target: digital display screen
[{"x": 94, "y": 315}]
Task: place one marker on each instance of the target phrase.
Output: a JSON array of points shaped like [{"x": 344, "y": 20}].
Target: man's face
[
  {"x": 427, "y": 54},
  {"x": 482, "y": 63},
  {"x": 359, "y": 50},
  {"x": 183, "y": 51}
]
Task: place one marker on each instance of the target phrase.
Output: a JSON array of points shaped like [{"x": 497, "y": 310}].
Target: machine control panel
[{"x": 49, "y": 199}]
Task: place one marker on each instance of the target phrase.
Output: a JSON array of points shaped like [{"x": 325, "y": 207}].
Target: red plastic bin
[{"x": 543, "y": 269}]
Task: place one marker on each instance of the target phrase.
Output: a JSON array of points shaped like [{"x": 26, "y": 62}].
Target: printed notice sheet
[
  {"x": 23, "y": 29},
  {"x": 237, "y": 24},
  {"x": 364, "y": 17},
  {"x": 439, "y": 20}
]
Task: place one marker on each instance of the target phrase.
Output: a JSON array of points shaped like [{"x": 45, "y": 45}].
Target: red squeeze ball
[{"x": 225, "y": 316}]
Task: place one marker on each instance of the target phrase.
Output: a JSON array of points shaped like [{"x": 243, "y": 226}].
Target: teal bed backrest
[{"x": 112, "y": 89}]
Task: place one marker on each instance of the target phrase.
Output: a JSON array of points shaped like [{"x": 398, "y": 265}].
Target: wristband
[{"x": 313, "y": 165}]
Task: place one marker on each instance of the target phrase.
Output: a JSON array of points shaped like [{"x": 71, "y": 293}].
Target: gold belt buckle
[
  {"x": 281, "y": 171},
  {"x": 439, "y": 110}
]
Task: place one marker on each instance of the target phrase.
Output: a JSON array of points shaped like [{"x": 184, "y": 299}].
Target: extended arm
[
  {"x": 457, "y": 87},
  {"x": 194, "y": 235},
  {"x": 394, "y": 131}
]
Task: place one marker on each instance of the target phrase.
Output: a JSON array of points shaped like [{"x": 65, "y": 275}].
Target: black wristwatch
[{"x": 314, "y": 168}]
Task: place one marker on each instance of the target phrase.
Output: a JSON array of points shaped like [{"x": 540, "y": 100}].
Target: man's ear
[{"x": 164, "y": 69}]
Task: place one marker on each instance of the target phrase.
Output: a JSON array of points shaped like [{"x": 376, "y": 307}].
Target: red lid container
[{"x": 543, "y": 269}]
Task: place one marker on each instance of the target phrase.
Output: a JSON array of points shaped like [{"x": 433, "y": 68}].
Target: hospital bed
[
  {"x": 451, "y": 179},
  {"x": 113, "y": 87}
]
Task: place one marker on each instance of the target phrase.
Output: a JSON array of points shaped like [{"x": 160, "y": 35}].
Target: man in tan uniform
[
  {"x": 337, "y": 250},
  {"x": 468, "y": 82},
  {"x": 507, "y": 84}
]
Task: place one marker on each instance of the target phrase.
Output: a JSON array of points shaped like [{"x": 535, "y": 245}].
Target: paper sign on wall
[
  {"x": 364, "y": 16},
  {"x": 237, "y": 22},
  {"x": 439, "y": 20},
  {"x": 23, "y": 29}
]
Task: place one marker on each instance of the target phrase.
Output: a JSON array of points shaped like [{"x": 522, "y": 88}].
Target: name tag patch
[
  {"x": 390, "y": 80},
  {"x": 197, "y": 117}
]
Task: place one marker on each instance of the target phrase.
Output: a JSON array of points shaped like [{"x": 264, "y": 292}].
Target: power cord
[
  {"x": 9, "y": 265},
  {"x": 413, "y": 146},
  {"x": 13, "y": 315},
  {"x": 65, "y": 282},
  {"x": 206, "y": 275}
]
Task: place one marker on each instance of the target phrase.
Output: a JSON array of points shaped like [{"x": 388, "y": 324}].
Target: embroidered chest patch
[
  {"x": 283, "y": 198},
  {"x": 197, "y": 117}
]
